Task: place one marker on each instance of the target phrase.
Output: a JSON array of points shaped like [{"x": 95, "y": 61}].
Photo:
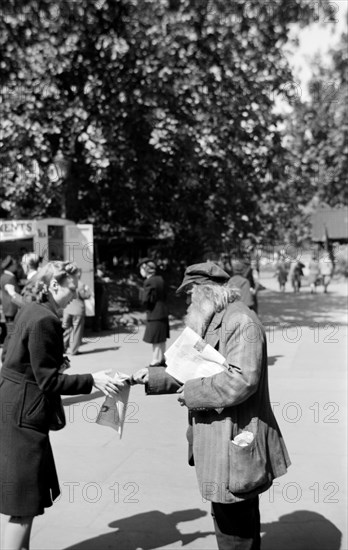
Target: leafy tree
[
  {"x": 317, "y": 136},
  {"x": 147, "y": 116}
]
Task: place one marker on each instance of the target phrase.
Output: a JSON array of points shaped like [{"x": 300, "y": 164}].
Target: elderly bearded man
[{"x": 225, "y": 405}]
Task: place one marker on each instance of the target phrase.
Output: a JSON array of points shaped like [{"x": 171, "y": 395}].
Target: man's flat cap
[{"x": 200, "y": 274}]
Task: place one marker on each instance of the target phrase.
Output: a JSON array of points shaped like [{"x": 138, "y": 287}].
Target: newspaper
[
  {"x": 113, "y": 410},
  {"x": 191, "y": 357}
]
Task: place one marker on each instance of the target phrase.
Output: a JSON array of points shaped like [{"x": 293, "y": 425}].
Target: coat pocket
[
  {"x": 34, "y": 410},
  {"x": 57, "y": 419},
  {"x": 247, "y": 467}
]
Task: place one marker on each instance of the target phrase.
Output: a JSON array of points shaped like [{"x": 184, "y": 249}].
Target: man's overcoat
[{"x": 224, "y": 405}]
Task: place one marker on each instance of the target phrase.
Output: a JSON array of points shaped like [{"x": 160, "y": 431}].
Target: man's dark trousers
[{"x": 237, "y": 525}]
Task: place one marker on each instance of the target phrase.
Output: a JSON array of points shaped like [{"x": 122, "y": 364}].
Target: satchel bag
[{"x": 248, "y": 470}]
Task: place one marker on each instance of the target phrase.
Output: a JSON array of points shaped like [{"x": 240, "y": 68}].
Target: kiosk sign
[{"x": 17, "y": 229}]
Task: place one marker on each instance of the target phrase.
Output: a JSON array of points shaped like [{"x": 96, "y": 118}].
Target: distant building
[{"x": 330, "y": 224}]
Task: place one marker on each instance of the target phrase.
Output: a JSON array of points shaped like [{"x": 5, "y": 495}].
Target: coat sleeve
[
  {"x": 46, "y": 357},
  {"x": 244, "y": 354},
  {"x": 160, "y": 382},
  {"x": 149, "y": 296}
]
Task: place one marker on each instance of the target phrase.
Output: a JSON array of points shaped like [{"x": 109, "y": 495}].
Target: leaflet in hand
[
  {"x": 113, "y": 410},
  {"x": 191, "y": 357}
]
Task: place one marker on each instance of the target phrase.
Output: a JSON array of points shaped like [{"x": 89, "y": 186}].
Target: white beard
[{"x": 199, "y": 315}]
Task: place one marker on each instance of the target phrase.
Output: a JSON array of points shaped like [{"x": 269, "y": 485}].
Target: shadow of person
[
  {"x": 147, "y": 531},
  {"x": 301, "y": 530},
  {"x": 81, "y": 398},
  {"x": 272, "y": 359},
  {"x": 98, "y": 350}
]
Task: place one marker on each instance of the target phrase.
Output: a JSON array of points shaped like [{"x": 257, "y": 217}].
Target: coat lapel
[
  {"x": 212, "y": 336},
  {"x": 51, "y": 305}
]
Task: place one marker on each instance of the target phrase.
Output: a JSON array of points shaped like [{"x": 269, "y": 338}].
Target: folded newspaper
[
  {"x": 113, "y": 410},
  {"x": 191, "y": 357}
]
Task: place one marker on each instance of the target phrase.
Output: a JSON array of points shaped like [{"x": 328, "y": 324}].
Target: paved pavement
[{"x": 139, "y": 492}]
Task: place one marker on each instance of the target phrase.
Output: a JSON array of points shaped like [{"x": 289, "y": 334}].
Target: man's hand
[
  {"x": 181, "y": 398},
  {"x": 141, "y": 376}
]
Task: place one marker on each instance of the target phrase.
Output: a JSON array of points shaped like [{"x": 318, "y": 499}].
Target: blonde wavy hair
[{"x": 53, "y": 270}]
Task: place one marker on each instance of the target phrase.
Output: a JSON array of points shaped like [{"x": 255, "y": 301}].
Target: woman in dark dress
[
  {"x": 31, "y": 382},
  {"x": 157, "y": 321}
]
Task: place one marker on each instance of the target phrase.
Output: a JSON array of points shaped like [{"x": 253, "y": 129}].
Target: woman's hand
[{"x": 104, "y": 382}]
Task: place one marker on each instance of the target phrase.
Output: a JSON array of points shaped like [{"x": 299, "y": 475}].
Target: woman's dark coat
[
  {"x": 30, "y": 381},
  {"x": 153, "y": 298}
]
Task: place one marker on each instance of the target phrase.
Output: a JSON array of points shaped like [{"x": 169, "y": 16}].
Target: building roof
[{"x": 331, "y": 223}]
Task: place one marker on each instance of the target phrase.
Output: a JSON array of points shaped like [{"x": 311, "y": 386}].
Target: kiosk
[{"x": 52, "y": 239}]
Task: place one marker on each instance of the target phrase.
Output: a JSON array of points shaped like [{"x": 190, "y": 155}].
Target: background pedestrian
[
  {"x": 74, "y": 317},
  {"x": 153, "y": 298},
  {"x": 30, "y": 264},
  {"x": 326, "y": 270},
  {"x": 314, "y": 275},
  {"x": 9, "y": 291},
  {"x": 281, "y": 273}
]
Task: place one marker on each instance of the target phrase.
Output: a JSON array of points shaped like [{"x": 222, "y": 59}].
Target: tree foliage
[
  {"x": 152, "y": 116},
  {"x": 317, "y": 141}
]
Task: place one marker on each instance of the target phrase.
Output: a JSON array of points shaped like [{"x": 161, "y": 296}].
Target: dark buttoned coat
[
  {"x": 30, "y": 381},
  {"x": 224, "y": 405},
  {"x": 153, "y": 298}
]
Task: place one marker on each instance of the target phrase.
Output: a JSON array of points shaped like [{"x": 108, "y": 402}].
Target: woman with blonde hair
[{"x": 32, "y": 379}]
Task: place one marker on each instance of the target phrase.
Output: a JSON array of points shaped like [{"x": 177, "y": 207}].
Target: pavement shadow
[
  {"x": 95, "y": 334},
  {"x": 272, "y": 359},
  {"x": 303, "y": 309},
  {"x": 301, "y": 530},
  {"x": 147, "y": 531},
  {"x": 80, "y": 398},
  {"x": 98, "y": 350}
]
